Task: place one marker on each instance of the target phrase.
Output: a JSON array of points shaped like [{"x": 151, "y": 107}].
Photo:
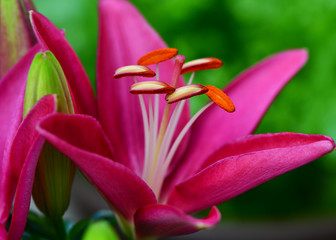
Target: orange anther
[
  {"x": 151, "y": 87},
  {"x": 134, "y": 70},
  {"x": 220, "y": 98},
  {"x": 157, "y": 56},
  {"x": 186, "y": 92},
  {"x": 201, "y": 64}
]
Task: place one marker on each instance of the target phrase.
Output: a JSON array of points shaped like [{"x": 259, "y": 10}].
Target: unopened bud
[
  {"x": 55, "y": 172},
  {"x": 46, "y": 77}
]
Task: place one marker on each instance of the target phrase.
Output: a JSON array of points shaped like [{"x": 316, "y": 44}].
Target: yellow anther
[
  {"x": 220, "y": 98},
  {"x": 201, "y": 64},
  {"x": 186, "y": 92},
  {"x": 157, "y": 56},
  {"x": 133, "y": 70},
  {"x": 151, "y": 87}
]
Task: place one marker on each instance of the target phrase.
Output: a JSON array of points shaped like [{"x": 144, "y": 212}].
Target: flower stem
[{"x": 59, "y": 229}]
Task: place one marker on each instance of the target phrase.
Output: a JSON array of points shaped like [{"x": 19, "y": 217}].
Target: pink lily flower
[{"x": 217, "y": 161}]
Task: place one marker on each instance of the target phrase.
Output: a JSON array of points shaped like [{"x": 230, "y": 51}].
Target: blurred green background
[{"x": 240, "y": 33}]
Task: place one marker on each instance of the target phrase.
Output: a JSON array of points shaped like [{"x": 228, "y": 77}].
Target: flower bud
[
  {"x": 55, "y": 172},
  {"x": 15, "y": 32},
  {"x": 46, "y": 77}
]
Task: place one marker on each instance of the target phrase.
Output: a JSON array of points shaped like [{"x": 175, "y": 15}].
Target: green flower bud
[
  {"x": 15, "y": 31},
  {"x": 46, "y": 77},
  {"x": 100, "y": 230},
  {"x": 55, "y": 172}
]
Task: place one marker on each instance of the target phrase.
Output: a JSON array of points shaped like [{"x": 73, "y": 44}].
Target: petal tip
[
  {"x": 331, "y": 142},
  {"x": 212, "y": 219},
  {"x": 300, "y": 54}
]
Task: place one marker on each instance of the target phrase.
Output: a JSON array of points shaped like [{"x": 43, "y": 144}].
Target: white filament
[{"x": 158, "y": 157}]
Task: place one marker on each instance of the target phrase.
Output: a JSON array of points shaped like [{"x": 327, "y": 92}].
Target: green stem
[{"x": 59, "y": 229}]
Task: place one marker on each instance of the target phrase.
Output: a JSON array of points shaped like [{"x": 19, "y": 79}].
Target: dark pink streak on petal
[
  {"x": 53, "y": 39},
  {"x": 81, "y": 138},
  {"x": 262, "y": 158},
  {"x": 124, "y": 37},
  {"x": 251, "y": 92},
  {"x": 160, "y": 220},
  {"x": 23, "y": 157}
]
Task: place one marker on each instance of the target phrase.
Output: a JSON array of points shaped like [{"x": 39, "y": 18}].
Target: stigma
[{"x": 161, "y": 139}]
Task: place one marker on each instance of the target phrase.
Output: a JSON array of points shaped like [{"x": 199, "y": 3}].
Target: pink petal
[
  {"x": 24, "y": 191},
  {"x": 81, "y": 138},
  {"x": 259, "y": 158},
  {"x": 12, "y": 88},
  {"x": 23, "y": 158},
  {"x": 158, "y": 220},
  {"x": 125, "y": 36},
  {"x": 52, "y": 39},
  {"x": 3, "y": 232},
  {"x": 251, "y": 92}
]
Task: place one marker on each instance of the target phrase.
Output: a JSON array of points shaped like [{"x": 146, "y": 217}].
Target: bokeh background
[{"x": 240, "y": 33}]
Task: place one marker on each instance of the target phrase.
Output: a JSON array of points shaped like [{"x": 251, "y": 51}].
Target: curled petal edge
[{"x": 158, "y": 220}]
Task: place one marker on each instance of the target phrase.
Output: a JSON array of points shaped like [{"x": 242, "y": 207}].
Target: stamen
[
  {"x": 176, "y": 74},
  {"x": 134, "y": 70},
  {"x": 164, "y": 121},
  {"x": 201, "y": 64},
  {"x": 186, "y": 92},
  {"x": 156, "y": 106},
  {"x": 166, "y": 144},
  {"x": 163, "y": 169},
  {"x": 151, "y": 87},
  {"x": 162, "y": 139},
  {"x": 220, "y": 98},
  {"x": 157, "y": 56}
]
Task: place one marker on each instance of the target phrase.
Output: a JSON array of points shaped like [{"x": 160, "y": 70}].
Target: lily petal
[
  {"x": 158, "y": 220},
  {"x": 260, "y": 158},
  {"x": 3, "y": 232},
  {"x": 24, "y": 191},
  {"x": 124, "y": 37},
  {"x": 251, "y": 92},
  {"x": 12, "y": 88},
  {"x": 125, "y": 191},
  {"x": 23, "y": 158},
  {"x": 52, "y": 39}
]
